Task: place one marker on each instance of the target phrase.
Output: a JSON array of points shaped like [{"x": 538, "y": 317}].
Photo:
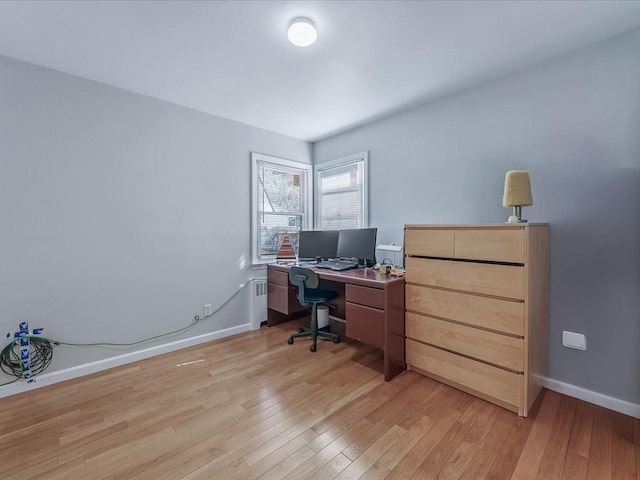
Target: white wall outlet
[
  {"x": 206, "y": 310},
  {"x": 574, "y": 340}
]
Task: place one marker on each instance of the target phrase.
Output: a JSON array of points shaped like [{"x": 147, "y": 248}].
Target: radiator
[{"x": 258, "y": 304}]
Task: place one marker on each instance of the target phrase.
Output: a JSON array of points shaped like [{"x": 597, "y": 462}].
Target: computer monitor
[
  {"x": 359, "y": 243},
  {"x": 313, "y": 244}
]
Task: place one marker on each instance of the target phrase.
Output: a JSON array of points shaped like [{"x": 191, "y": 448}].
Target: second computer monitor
[
  {"x": 358, "y": 243},
  {"x": 314, "y": 244}
]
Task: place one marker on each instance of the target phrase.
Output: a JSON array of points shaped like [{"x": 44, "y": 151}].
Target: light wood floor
[{"x": 251, "y": 406}]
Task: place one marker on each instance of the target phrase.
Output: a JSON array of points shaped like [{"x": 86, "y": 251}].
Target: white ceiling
[{"x": 232, "y": 58}]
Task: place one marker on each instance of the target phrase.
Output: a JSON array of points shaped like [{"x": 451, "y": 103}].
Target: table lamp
[{"x": 517, "y": 193}]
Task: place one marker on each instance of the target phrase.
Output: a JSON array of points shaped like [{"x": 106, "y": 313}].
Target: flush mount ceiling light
[{"x": 302, "y": 32}]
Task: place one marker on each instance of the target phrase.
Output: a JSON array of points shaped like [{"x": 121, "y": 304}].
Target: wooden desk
[{"x": 371, "y": 304}]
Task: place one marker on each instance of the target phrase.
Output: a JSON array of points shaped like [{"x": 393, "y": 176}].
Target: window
[
  {"x": 281, "y": 204},
  {"x": 341, "y": 193}
]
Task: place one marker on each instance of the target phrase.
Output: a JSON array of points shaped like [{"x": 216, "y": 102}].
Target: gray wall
[
  {"x": 574, "y": 123},
  {"x": 121, "y": 215}
]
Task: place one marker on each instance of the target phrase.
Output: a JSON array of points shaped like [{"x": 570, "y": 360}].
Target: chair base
[{"x": 308, "y": 332}]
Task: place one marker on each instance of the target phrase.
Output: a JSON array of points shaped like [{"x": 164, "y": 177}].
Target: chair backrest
[{"x": 303, "y": 278}]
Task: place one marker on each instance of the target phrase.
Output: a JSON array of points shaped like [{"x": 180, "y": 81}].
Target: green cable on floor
[{"x": 196, "y": 320}]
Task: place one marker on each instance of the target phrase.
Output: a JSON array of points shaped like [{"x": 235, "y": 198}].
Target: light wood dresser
[{"x": 476, "y": 308}]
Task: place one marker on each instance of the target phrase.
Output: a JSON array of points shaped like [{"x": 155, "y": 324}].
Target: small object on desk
[
  {"x": 337, "y": 265},
  {"x": 396, "y": 272},
  {"x": 390, "y": 248},
  {"x": 385, "y": 268}
]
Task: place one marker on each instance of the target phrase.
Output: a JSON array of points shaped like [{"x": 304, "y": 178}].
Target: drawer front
[
  {"x": 490, "y": 313},
  {"x": 277, "y": 277},
  {"x": 429, "y": 242},
  {"x": 501, "y": 350},
  {"x": 489, "y": 279},
  {"x": 278, "y": 298},
  {"x": 365, "y": 324},
  {"x": 371, "y": 297},
  {"x": 499, "y": 245},
  {"x": 490, "y": 381}
]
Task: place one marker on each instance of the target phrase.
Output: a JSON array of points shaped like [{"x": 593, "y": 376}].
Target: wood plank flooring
[{"x": 251, "y": 406}]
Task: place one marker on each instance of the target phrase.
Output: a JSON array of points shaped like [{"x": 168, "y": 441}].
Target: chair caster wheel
[
  {"x": 300, "y": 330},
  {"x": 336, "y": 340},
  {"x": 290, "y": 341},
  {"x": 312, "y": 348}
]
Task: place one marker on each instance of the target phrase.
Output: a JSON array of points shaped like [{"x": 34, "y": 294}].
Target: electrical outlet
[
  {"x": 207, "y": 310},
  {"x": 574, "y": 340}
]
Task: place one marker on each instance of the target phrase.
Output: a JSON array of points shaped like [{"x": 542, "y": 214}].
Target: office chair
[{"x": 309, "y": 295}]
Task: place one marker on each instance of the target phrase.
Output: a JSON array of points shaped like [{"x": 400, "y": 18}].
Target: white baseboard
[
  {"x": 87, "y": 368},
  {"x": 605, "y": 401}
]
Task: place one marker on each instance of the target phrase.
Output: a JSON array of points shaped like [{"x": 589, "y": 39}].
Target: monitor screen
[
  {"x": 358, "y": 243},
  {"x": 314, "y": 244}
]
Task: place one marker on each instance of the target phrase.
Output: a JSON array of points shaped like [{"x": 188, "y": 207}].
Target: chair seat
[{"x": 318, "y": 295}]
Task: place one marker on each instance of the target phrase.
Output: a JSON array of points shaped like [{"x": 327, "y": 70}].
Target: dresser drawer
[
  {"x": 277, "y": 277},
  {"x": 371, "y": 297},
  {"x": 470, "y": 375},
  {"x": 488, "y": 279},
  {"x": 429, "y": 242},
  {"x": 501, "y": 350},
  {"x": 365, "y": 324},
  {"x": 498, "y": 245},
  {"x": 490, "y": 313}
]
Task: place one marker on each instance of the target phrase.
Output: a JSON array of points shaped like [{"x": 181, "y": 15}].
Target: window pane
[
  {"x": 279, "y": 191},
  {"x": 341, "y": 177},
  {"x": 273, "y": 229},
  {"x": 341, "y": 194},
  {"x": 341, "y": 210}
]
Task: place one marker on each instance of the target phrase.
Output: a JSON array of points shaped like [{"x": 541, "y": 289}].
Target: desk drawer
[
  {"x": 365, "y": 324},
  {"x": 501, "y": 350},
  {"x": 489, "y": 279},
  {"x": 371, "y": 297},
  {"x": 490, "y": 313},
  {"x": 277, "y": 277},
  {"x": 278, "y": 298},
  {"x": 470, "y": 375},
  {"x": 282, "y": 299}
]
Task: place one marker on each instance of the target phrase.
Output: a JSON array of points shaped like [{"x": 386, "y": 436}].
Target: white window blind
[
  {"x": 281, "y": 206},
  {"x": 341, "y": 193}
]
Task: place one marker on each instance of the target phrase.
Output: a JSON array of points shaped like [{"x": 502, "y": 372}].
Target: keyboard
[{"x": 338, "y": 266}]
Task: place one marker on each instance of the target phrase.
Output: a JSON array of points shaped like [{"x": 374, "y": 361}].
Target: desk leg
[
  {"x": 392, "y": 369},
  {"x": 394, "y": 332}
]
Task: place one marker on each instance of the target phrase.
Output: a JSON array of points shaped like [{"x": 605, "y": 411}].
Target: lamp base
[{"x": 517, "y": 215}]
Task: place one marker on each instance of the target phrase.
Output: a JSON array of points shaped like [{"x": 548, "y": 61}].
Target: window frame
[
  {"x": 307, "y": 208},
  {"x": 342, "y": 162}
]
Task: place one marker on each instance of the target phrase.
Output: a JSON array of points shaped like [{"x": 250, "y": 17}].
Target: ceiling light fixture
[{"x": 302, "y": 32}]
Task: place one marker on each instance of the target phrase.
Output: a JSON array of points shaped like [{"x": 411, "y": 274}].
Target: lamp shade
[{"x": 517, "y": 189}]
